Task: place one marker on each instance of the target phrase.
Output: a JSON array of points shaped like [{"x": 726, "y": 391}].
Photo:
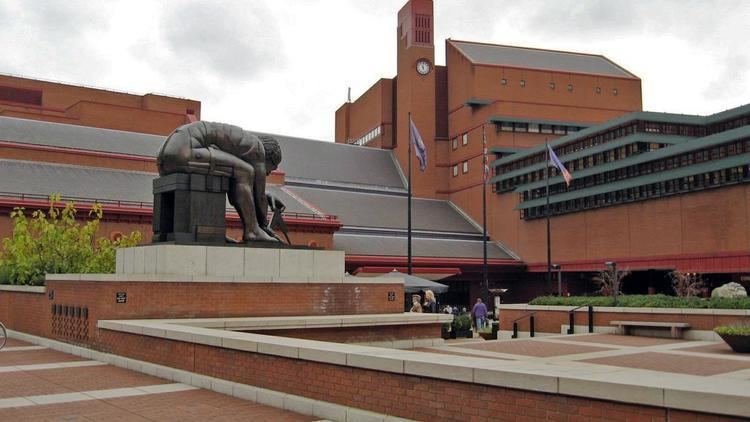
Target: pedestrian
[
  {"x": 430, "y": 304},
  {"x": 415, "y": 305},
  {"x": 479, "y": 314},
  {"x": 448, "y": 309}
]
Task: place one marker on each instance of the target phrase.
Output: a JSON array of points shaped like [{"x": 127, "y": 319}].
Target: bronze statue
[{"x": 219, "y": 149}]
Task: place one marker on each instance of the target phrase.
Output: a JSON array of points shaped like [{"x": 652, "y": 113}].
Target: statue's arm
[{"x": 259, "y": 194}]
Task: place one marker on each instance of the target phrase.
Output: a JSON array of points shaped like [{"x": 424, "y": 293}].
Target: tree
[
  {"x": 609, "y": 281},
  {"x": 55, "y": 243},
  {"x": 686, "y": 284}
]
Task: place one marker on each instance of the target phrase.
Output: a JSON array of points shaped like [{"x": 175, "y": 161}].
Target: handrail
[
  {"x": 530, "y": 315},
  {"x": 571, "y": 319}
]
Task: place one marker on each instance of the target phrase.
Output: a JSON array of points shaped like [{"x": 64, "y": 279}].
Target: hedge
[{"x": 644, "y": 301}]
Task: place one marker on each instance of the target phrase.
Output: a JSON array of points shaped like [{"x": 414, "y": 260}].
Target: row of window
[
  {"x": 552, "y": 86},
  {"x": 698, "y": 182},
  {"x": 464, "y": 141},
  {"x": 614, "y": 154},
  {"x": 743, "y": 120},
  {"x": 369, "y": 136},
  {"x": 682, "y": 160},
  {"x": 464, "y": 168},
  {"x": 536, "y": 128}
]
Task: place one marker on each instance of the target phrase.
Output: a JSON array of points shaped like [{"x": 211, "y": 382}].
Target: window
[
  {"x": 455, "y": 170},
  {"x": 465, "y": 167},
  {"x": 598, "y": 90},
  {"x": 533, "y": 128},
  {"x": 614, "y": 91},
  {"x": 465, "y": 139},
  {"x": 503, "y": 81},
  {"x": 506, "y": 126},
  {"x": 521, "y": 127},
  {"x": 570, "y": 87},
  {"x": 546, "y": 128},
  {"x": 455, "y": 142},
  {"x": 522, "y": 83},
  {"x": 552, "y": 85}
]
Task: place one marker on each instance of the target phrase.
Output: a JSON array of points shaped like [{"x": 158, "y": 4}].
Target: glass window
[
  {"x": 533, "y": 127},
  {"x": 506, "y": 126},
  {"x": 521, "y": 127},
  {"x": 455, "y": 142},
  {"x": 545, "y": 128},
  {"x": 559, "y": 130},
  {"x": 466, "y": 167},
  {"x": 465, "y": 139},
  {"x": 455, "y": 170}
]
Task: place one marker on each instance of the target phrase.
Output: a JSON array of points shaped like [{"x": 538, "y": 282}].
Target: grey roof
[
  {"x": 78, "y": 137},
  {"x": 357, "y": 244},
  {"x": 89, "y": 184},
  {"x": 302, "y": 158},
  {"x": 540, "y": 59},
  {"x": 384, "y": 211},
  {"x": 337, "y": 163}
]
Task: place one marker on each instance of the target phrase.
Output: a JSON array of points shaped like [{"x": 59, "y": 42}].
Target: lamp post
[
  {"x": 558, "y": 268},
  {"x": 615, "y": 280}
]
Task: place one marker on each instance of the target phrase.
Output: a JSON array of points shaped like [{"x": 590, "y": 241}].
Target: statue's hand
[{"x": 274, "y": 203}]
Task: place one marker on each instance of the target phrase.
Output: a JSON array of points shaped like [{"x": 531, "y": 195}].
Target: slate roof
[
  {"x": 562, "y": 61},
  {"x": 385, "y": 211},
  {"x": 423, "y": 247}
]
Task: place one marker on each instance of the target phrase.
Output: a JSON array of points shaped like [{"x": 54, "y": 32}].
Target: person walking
[{"x": 479, "y": 314}]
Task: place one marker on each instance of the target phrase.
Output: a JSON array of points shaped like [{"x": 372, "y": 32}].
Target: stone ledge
[
  {"x": 176, "y": 278},
  {"x": 598, "y": 381},
  {"x": 626, "y": 310},
  {"x": 22, "y": 289}
]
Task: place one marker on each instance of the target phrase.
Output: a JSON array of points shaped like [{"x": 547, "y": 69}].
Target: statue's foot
[{"x": 258, "y": 236}]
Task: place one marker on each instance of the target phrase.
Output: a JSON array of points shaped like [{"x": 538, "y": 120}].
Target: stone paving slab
[
  {"x": 718, "y": 348},
  {"x": 674, "y": 363},
  {"x": 533, "y": 348},
  {"x": 618, "y": 340},
  {"x": 29, "y": 357},
  {"x": 446, "y": 351},
  {"x": 197, "y": 405},
  {"x": 56, "y": 381}
]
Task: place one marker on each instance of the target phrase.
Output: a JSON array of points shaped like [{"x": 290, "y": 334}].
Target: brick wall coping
[
  {"x": 177, "y": 278},
  {"x": 726, "y": 396},
  {"x": 301, "y": 322},
  {"x": 22, "y": 289},
  {"x": 629, "y": 310}
]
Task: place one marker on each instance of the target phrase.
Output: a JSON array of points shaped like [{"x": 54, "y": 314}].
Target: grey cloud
[{"x": 237, "y": 40}]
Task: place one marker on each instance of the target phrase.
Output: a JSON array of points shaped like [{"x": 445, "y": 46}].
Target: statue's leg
[{"x": 241, "y": 194}]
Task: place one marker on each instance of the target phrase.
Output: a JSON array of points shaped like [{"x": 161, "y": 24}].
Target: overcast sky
[{"x": 283, "y": 66}]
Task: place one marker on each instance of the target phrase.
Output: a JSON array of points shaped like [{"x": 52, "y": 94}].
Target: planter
[
  {"x": 488, "y": 335},
  {"x": 461, "y": 333},
  {"x": 739, "y": 343}
]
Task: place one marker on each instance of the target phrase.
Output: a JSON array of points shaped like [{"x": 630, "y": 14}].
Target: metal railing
[
  {"x": 572, "y": 320},
  {"x": 530, "y": 315}
]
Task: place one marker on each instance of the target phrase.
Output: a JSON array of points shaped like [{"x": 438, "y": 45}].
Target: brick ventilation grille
[
  {"x": 20, "y": 95},
  {"x": 70, "y": 322},
  {"x": 423, "y": 29}
]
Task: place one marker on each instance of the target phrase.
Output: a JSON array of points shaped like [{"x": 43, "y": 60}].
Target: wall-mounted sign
[
  {"x": 121, "y": 297},
  {"x": 391, "y": 296}
]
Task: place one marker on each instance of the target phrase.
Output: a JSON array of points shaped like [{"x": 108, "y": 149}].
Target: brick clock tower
[{"x": 415, "y": 90}]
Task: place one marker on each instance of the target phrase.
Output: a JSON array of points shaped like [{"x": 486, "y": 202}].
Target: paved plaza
[{"x": 37, "y": 383}]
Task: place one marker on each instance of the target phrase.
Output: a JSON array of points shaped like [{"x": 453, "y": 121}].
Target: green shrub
[
  {"x": 462, "y": 322},
  {"x": 731, "y": 330},
  {"x": 645, "y": 301},
  {"x": 54, "y": 243}
]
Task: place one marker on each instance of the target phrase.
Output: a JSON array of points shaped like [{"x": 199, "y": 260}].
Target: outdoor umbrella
[{"x": 413, "y": 284}]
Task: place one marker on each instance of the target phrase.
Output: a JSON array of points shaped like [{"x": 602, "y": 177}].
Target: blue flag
[
  {"x": 555, "y": 162},
  {"x": 419, "y": 148}
]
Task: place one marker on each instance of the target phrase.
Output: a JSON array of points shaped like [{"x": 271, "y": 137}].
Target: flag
[
  {"x": 419, "y": 148},
  {"x": 555, "y": 162}
]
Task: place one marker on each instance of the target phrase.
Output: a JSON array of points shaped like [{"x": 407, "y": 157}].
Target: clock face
[{"x": 423, "y": 66}]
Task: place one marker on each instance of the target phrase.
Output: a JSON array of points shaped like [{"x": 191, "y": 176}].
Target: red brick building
[{"x": 651, "y": 191}]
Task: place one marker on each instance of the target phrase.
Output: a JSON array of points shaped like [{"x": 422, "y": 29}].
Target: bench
[{"x": 675, "y": 327}]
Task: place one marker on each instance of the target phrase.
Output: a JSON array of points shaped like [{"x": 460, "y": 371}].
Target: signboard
[
  {"x": 391, "y": 296},
  {"x": 121, "y": 297}
]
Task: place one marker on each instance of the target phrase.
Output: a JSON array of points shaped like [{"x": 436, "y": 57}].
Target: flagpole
[
  {"x": 408, "y": 219},
  {"x": 546, "y": 212},
  {"x": 485, "y": 280}
]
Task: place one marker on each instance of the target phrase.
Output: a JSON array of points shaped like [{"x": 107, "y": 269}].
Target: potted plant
[
  {"x": 737, "y": 337},
  {"x": 461, "y": 327}
]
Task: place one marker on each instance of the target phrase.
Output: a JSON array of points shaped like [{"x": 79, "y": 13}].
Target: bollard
[
  {"x": 531, "y": 325},
  {"x": 571, "y": 322},
  {"x": 515, "y": 329},
  {"x": 495, "y": 329},
  {"x": 591, "y": 319}
]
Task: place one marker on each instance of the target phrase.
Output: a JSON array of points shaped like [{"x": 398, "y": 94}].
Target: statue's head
[{"x": 273, "y": 152}]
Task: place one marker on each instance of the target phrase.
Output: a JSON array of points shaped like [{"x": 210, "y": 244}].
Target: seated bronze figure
[{"x": 219, "y": 149}]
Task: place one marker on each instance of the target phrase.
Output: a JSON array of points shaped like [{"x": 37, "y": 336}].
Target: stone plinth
[{"x": 245, "y": 263}]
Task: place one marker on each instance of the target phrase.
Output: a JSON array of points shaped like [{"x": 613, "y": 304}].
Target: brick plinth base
[{"x": 413, "y": 397}]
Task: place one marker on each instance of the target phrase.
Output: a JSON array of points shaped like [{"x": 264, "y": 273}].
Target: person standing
[
  {"x": 415, "y": 305},
  {"x": 479, "y": 314},
  {"x": 430, "y": 304}
]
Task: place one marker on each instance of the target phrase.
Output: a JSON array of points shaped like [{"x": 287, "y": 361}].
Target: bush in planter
[
  {"x": 461, "y": 326},
  {"x": 737, "y": 337},
  {"x": 645, "y": 301},
  {"x": 54, "y": 242}
]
